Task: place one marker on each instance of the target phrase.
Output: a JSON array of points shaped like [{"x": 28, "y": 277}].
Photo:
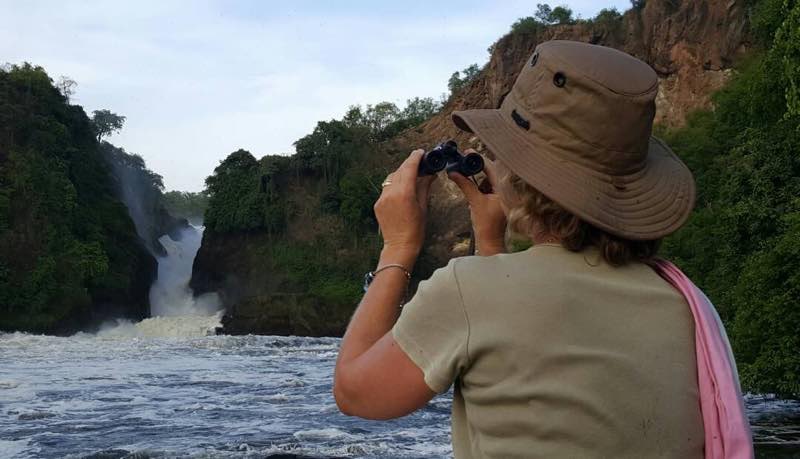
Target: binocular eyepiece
[{"x": 447, "y": 156}]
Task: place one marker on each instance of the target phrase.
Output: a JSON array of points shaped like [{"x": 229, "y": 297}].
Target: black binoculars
[{"x": 447, "y": 156}]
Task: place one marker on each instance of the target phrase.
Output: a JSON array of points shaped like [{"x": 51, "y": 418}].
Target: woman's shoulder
[
  {"x": 551, "y": 264},
  {"x": 538, "y": 258}
]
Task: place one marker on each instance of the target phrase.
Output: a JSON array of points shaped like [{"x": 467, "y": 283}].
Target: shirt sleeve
[{"x": 433, "y": 329}]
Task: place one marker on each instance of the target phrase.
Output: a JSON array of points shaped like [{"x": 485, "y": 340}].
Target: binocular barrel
[
  {"x": 432, "y": 162},
  {"x": 447, "y": 156}
]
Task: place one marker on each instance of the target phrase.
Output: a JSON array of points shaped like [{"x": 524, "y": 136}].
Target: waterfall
[
  {"x": 170, "y": 295},
  {"x": 175, "y": 311}
]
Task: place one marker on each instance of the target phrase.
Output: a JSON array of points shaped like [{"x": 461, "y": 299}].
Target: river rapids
[{"x": 167, "y": 387}]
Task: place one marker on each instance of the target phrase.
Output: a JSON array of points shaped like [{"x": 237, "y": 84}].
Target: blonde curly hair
[{"x": 531, "y": 213}]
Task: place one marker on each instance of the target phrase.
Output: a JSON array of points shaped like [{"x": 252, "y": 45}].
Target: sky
[{"x": 199, "y": 79}]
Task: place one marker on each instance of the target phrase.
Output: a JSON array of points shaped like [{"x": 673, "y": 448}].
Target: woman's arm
[{"x": 374, "y": 378}]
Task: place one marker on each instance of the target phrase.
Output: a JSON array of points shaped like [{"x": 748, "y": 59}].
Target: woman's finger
[
  {"x": 470, "y": 190},
  {"x": 424, "y": 189},
  {"x": 490, "y": 170},
  {"x": 407, "y": 173}
]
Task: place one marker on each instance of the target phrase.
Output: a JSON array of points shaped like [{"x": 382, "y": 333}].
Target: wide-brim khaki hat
[{"x": 577, "y": 126}]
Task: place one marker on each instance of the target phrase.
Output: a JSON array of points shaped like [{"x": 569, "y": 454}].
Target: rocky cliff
[{"x": 692, "y": 46}]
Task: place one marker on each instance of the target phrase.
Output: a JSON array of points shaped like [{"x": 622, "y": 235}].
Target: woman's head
[
  {"x": 533, "y": 215},
  {"x": 575, "y": 129}
]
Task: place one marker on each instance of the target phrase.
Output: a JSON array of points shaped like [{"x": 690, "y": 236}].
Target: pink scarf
[{"x": 724, "y": 419}]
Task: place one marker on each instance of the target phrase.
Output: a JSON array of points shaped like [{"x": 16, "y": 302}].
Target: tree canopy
[
  {"x": 550, "y": 16},
  {"x": 741, "y": 243},
  {"x": 185, "y": 204},
  {"x": 461, "y": 79},
  {"x": 331, "y": 181},
  {"x": 106, "y": 123},
  {"x": 68, "y": 248}
]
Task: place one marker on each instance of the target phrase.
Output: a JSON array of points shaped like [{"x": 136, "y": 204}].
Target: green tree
[
  {"x": 528, "y": 25},
  {"x": 186, "y": 204},
  {"x": 358, "y": 195},
  {"x": 233, "y": 189},
  {"x": 461, "y": 79},
  {"x": 327, "y": 149},
  {"x": 310, "y": 216},
  {"x": 106, "y": 123},
  {"x": 419, "y": 109},
  {"x": 608, "y": 18},
  {"x": 543, "y": 13},
  {"x": 786, "y": 54},
  {"x": 740, "y": 245},
  {"x": 380, "y": 116},
  {"x": 68, "y": 248},
  {"x": 561, "y": 15},
  {"x": 548, "y": 15},
  {"x": 66, "y": 86}
]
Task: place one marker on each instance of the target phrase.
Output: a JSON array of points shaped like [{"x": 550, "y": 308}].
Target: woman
[{"x": 575, "y": 347}]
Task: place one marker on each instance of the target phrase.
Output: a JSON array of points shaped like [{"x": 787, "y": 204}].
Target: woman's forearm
[{"x": 379, "y": 308}]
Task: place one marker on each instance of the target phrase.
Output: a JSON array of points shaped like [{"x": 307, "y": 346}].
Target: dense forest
[
  {"x": 186, "y": 204},
  {"x": 308, "y": 221},
  {"x": 70, "y": 255},
  {"x": 742, "y": 244}
]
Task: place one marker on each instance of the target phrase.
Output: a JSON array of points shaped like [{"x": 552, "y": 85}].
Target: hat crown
[
  {"x": 577, "y": 127},
  {"x": 596, "y": 104}
]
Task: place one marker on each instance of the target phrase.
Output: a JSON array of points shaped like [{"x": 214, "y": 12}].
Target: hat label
[{"x": 521, "y": 122}]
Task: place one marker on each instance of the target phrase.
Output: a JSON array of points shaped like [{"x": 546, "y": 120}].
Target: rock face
[
  {"x": 691, "y": 45},
  {"x": 260, "y": 297}
]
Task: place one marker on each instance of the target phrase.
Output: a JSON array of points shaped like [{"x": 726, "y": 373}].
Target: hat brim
[{"x": 645, "y": 205}]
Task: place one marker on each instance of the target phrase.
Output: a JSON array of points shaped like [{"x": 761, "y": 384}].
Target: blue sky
[{"x": 198, "y": 80}]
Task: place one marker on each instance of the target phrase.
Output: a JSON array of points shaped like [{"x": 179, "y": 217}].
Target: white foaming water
[
  {"x": 170, "y": 295},
  {"x": 238, "y": 397},
  {"x": 115, "y": 396},
  {"x": 175, "y": 311},
  {"x": 164, "y": 327}
]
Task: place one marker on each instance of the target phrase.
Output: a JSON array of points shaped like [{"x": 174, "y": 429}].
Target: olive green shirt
[{"x": 556, "y": 354}]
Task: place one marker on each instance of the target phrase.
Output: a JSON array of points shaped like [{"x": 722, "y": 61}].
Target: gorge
[
  {"x": 289, "y": 238},
  {"x": 692, "y": 45},
  {"x": 138, "y": 322}
]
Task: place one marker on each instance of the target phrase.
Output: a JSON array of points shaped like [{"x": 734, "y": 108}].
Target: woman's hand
[
  {"x": 401, "y": 210},
  {"x": 485, "y": 209}
]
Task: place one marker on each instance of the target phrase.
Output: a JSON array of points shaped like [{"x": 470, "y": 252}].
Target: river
[
  {"x": 168, "y": 388},
  {"x": 115, "y": 396}
]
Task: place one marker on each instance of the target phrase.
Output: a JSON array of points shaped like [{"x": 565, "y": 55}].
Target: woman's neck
[{"x": 543, "y": 238}]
